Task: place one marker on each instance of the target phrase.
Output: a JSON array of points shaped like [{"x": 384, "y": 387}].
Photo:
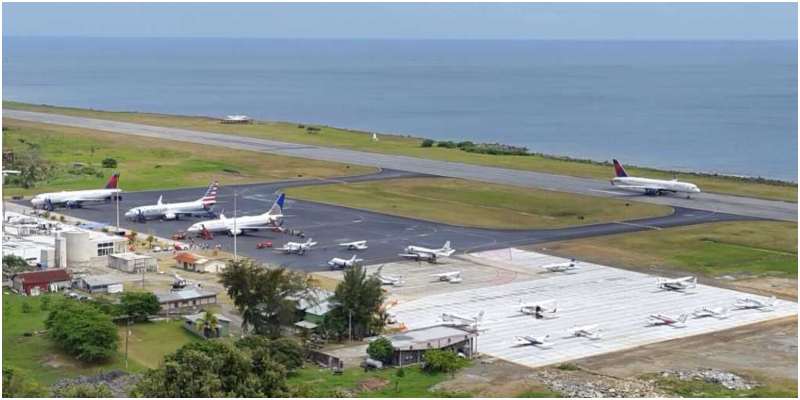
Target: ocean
[{"x": 713, "y": 106}]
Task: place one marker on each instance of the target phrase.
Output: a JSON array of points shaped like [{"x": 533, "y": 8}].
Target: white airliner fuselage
[
  {"x": 171, "y": 211},
  {"x": 648, "y": 185},
  {"x": 238, "y": 225},
  {"x": 77, "y": 198}
]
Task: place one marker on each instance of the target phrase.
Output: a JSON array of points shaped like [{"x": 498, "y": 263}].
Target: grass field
[
  {"x": 751, "y": 248},
  {"x": 461, "y": 202},
  {"x": 415, "y": 383},
  {"x": 36, "y": 356},
  {"x": 147, "y": 163},
  {"x": 703, "y": 389},
  {"x": 403, "y": 145},
  {"x": 151, "y": 341}
]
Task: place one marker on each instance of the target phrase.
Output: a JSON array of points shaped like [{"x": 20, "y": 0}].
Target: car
[
  {"x": 179, "y": 235},
  {"x": 267, "y": 244}
]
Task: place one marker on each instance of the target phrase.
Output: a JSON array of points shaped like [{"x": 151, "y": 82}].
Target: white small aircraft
[
  {"x": 358, "y": 245},
  {"x": 463, "y": 322},
  {"x": 538, "y": 308},
  {"x": 661, "y": 319},
  {"x": 714, "y": 312},
  {"x": 342, "y": 263},
  {"x": 297, "y": 247},
  {"x": 420, "y": 253},
  {"x": 452, "y": 277},
  {"x": 591, "y": 332},
  {"x": 170, "y": 211},
  {"x": 530, "y": 340},
  {"x": 752, "y": 303},
  {"x": 77, "y": 198},
  {"x": 561, "y": 267},
  {"x": 679, "y": 284},
  {"x": 178, "y": 282},
  {"x": 237, "y": 226},
  {"x": 655, "y": 187},
  {"x": 388, "y": 279}
]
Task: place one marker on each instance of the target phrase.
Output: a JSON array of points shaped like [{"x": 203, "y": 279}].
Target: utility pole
[
  {"x": 235, "y": 232},
  {"x": 350, "y": 325},
  {"x": 127, "y": 333},
  {"x": 116, "y": 198}
]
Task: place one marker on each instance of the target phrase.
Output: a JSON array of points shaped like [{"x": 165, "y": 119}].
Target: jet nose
[
  {"x": 696, "y": 189},
  {"x": 193, "y": 228}
]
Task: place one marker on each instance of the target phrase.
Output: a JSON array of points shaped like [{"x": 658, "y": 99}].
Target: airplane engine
[{"x": 73, "y": 204}]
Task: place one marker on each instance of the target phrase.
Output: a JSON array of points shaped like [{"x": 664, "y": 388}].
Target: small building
[
  {"x": 185, "y": 300},
  {"x": 312, "y": 307},
  {"x": 195, "y": 323},
  {"x": 80, "y": 248},
  {"x": 132, "y": 263},
  {"x": 35, "y": 283},
  {"x": 100, "y": 284},
  {"x": 236, "y": 119},
  {"x": 195, "y": 263},
  {"x": 410, "y": 346}
]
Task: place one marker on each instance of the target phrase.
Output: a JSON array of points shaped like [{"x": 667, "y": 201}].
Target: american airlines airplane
[
  {"x": 168, "y": 211},
  {"x": 237, "y": 226},
  {"x": 655, "y": 187},
  {"x": 77, "y": 198}
]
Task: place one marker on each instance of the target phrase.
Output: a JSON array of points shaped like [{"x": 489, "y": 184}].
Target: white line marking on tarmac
[
  {"x": 606, "y": 191},
  {"x": 655, "y": 228}
]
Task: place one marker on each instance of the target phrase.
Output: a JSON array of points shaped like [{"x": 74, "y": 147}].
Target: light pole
[
  {"x": 116, "y": 198},
  {"x": 235, "y": 232}
]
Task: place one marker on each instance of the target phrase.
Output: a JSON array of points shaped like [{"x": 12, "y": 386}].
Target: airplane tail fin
[
  {"x": 113, "y": 181},
  {"x": 446, "y": 246},
  {"x": 277, "y": 207},
  {"x": 771, "y": 301},
  {"x": 160, "y": 198},
  {"x": 682, "y": 319},
  {"x": 479, "y": 317},
  {"x": 353, "y": 259},
  {"x": 210, "y": 197},
  {"x": 619, "y": 170}
]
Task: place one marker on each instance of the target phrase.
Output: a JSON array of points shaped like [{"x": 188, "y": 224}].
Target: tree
[
  {"x": 132, "y": 237},
  {"x": 210, "y": 323},
  {"x": 443, "y": 361},
  {"x": 150, "y": 239},
  {"x": 16, "y": 384},
  {"x": 285, "y": 351},
  {"x": 262, "y": 295},
  {"x": 13, "y": 264},
  {"x": 85, "y": 390},
  {"x": 428, "y": 143},
  {"x": 381, "y": 349},
  {"x": 356, "y": 305},
  {"x": 139, "y": 305},
  {"x": 83, "y": 331},
  {"x": 213, "y": 369},
  {"x": 109, "y": 163}
]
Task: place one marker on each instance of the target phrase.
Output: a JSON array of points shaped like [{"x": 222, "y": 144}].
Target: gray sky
[{"x": 406, "y": 21}]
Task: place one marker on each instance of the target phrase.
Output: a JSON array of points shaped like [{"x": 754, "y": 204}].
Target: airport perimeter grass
[
  {"x": 37, "y": 356},
  {"x": 410, "y": 146},
  {"x": 146, "y": 163},
  {"x": 747, "y": 248},
  {"x": 151, "y": 341},
  {"x": 466, "y": 203},
  {"x": 415, "y": 383}
]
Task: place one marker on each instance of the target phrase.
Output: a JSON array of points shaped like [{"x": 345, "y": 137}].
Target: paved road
[
  {"x": 330, "y": 225},
  {"x": 743, "y": 206}
]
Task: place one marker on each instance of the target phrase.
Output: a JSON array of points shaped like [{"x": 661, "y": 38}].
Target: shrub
[
  {"x": 139, "y": 305},
  {"x": 109, "y": 163},
  {"x": 83, "y": 331},
  {"x": 381, "y": 349},
  {"x": 428, "y": 143},
  {"x": 26, "y": 307},
  {"x": 465, "y": 144},
  {"x": 447, "y": 144},
  {"x": 85, "y": 390},
  {"x": 443, "y": 361}
]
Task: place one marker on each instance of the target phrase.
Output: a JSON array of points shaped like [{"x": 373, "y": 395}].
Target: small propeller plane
[
  {"x": 420, "y": 253},
  {"x": 461, "y": 321},
  {"x": 452, "y": 277},
  {"x": 358, "y": 245},
  {"x": 678, "y": 284},
  {"x": 714, "y": 312},
  {"x": 591, "y": 332},
  {"x": 342, "y": 263},
  {"x": 388, "y": 279},
  {"x": 530, "y": 340},
  {"x": 561, "y": 267},
  {"x": 538, "y": 308},
  {"x": 662, "y": 319},
  {"x": 752, "y": 303},
  {"x": 299, "y": 248}
]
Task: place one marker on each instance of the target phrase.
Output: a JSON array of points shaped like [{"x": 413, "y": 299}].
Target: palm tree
[
  {"x": 150, "y": 239},
  {"x": 210, "y": 324}
]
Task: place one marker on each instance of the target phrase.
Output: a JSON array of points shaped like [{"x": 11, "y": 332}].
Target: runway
[
  {"x": 717, "y": 203},
  {"x": 330, "y": 225}
]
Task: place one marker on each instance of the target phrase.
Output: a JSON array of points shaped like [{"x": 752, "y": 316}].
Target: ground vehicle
[
  {"x": 267, "y": 244},
  {"x": 179, "y": 235}
]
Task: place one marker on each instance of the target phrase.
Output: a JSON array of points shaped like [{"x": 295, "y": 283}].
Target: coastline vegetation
[{"x": 417, "y": 147}]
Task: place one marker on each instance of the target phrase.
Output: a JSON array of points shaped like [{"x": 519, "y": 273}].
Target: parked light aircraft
[
  {"x": 662, "y": 319},
  {"x": 538, "y": 308},
  {"x": 420, "y": 253},
  {"x": 388, "y": 279},
  {"x": 359, "y": 245},
  {"x": 78, "y": 198},
  {"x": 591, "y": 332},
  {"x": 297, "y": 247},
  {"x": 752, "y": 303},
  {"x": 530, "y": 340},
  {"x": 452, "y": 276},
  {"x": 650, "y": 186},
  {"x": 715, "y": 312},
  {"x": 679, "y": 284},
  {"x": 169, "y": 211},
  {"x": 239, "y": 225},
  {"x": 463, "y": 322},
  {"x": 561, "y": 267},
  {"x": 342, "y": 263}
]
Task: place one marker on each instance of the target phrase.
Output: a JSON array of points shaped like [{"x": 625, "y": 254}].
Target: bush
[
  {"x": 443, "y": 361},
  {"x": 109, "y": 163},
  {"x": 428, "y": 143},
  {"x": 45, "y": 303},
  {"x": 83, "y": 331},
  {"x": 26, "y": 307},
  {"x": 447, "y": 144},
  {"x": 465, "y": 144},
  {"x": 84, "y": 391},
  {"x": 381, "y": 349},
  {"x": 139, "y": 305}
]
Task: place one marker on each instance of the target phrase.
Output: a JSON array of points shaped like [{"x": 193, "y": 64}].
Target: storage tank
[{"x": 79, "y": 248}]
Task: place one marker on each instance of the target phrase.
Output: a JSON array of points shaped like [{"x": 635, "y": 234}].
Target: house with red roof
[{"x": 34, "y": 283}]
